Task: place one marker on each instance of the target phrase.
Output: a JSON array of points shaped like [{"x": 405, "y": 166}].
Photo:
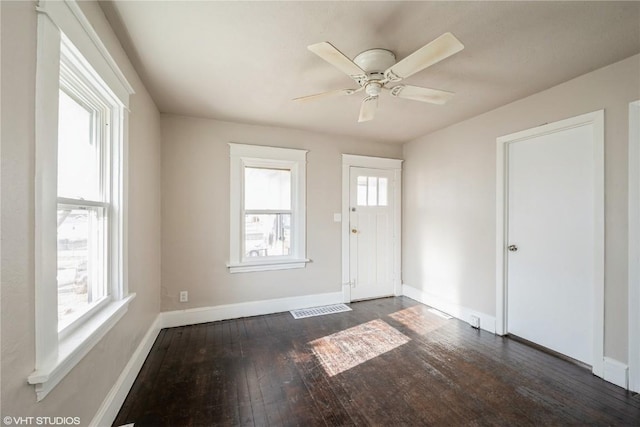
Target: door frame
[
  {"x": 395, "y": 165},
  {"x": 596, "y": 119},
  {"x": 634, "y": 246}
]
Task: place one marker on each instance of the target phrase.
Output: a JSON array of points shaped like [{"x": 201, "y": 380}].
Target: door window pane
[
  {"x": 267, "y": 235},
  {"x": 372, "y": 191},
  {"x": 267, "y": 189},
  {"x": 382, "y": 191},
  {"x": 362, "y": 191},
  {"x": 372, "y": 196},
  {"x": 78, "y": 153},
  {"x": 80, "y": 257}
]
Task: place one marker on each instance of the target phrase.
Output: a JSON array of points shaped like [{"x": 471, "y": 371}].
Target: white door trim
[
  {"x": 349, "y": 160},
  {"x": 595, "y": 118},
  {"x": 634, "y": 246}
]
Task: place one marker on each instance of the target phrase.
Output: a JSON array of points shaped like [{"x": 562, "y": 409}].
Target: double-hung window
[
  {"x": 80, "y": 245},
  {"x": 267, "y": 208},
  {"x": 84, "y": 208}
]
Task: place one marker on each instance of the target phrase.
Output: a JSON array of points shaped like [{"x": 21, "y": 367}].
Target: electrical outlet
[
  {"x": 184, "y": 296},
  {"x": 474, "y": 322}
]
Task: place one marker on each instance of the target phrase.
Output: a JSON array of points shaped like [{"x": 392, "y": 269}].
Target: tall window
[
  {"x": 83, "y": 189},
  {"x": 268, "y": 208},
  {"x": 80, "y": 278}
]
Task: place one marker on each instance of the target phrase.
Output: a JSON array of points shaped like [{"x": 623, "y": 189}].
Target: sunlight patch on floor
[
  {"x": 346, "y": 349},
  {"x": 419, "y": 319}
]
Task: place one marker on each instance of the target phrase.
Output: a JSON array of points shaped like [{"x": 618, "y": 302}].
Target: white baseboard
[
  {"x": 616, "y": 372},
  {"x": 487, "y": 322},
  {"x": 108, "y": 411},
  {"x": 171, "y": 319}
]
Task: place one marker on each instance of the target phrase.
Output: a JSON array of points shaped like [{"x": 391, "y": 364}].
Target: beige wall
[
  {"x": 449, "y": 212},
  {"x": 450, "y": 194},
  {"x": 195, "y": 212},
  {"x": 84, "y": 388}
]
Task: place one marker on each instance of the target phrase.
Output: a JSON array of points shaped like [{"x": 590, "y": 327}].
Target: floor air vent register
[{"x": 319, "y": 311}]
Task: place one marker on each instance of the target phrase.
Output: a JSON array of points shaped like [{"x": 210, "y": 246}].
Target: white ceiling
[{"x": 245, "y": 61}]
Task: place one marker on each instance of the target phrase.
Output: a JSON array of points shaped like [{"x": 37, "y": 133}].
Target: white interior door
[
  {"x": 371, "y": 224},
  {"x": 552, "y": 240}
]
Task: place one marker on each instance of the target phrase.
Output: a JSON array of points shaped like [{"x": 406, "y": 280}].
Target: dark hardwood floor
[{"x": 387, "y": 362}]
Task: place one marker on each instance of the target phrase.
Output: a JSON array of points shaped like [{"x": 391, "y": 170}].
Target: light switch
[{"x": 337, "y": 217}]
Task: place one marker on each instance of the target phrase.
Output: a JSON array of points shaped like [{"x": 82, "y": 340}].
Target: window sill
[
  {"x": 76, "y": 345},
  {"x": 267, "y": 265}
]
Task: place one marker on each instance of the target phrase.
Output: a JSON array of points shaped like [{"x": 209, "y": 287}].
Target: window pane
[
  {"x": 81, "y": 262},
  {"x": 78, "y": 154},
  {"x": 266, "y": 189},
  {"x": 267, "y": 235},
  {"x": 382, "y": 191},
  {"x": 372, "y": 197},
  {"x": 362, "y": 191}
]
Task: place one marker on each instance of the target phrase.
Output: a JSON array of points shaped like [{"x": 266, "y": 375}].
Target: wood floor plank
[
  {"x": 353, "y": 368},
  {"x": 548, "y": 370},
  {"x": 145, "y": 379}
]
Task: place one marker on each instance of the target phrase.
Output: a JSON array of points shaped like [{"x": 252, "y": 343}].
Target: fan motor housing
[{"x": 375, "y": 61}]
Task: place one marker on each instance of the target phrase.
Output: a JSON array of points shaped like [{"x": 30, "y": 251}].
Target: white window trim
[
  {"x": 57, "y": 354},
  {"x": 255, "y": 155}
]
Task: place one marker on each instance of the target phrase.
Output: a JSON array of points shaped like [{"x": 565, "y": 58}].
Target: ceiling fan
[{"x": 373, "y": 69}]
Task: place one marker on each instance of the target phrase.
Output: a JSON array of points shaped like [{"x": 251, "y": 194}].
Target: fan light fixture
[{"x": 374, "y": 68}]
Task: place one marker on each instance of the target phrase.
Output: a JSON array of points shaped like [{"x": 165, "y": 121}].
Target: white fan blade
[
  {"x": 330, "y": 93},
  {"x": 333, "y": 56},
  {"x": 368, "y": 108},
  {"x": 439, "y": 49},
  {"x": 423, "y": 94}
]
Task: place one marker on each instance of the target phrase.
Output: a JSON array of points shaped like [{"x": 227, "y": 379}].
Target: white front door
[
  {"x": 551, "y": 237},
  {"x": 371, "y": 228}
]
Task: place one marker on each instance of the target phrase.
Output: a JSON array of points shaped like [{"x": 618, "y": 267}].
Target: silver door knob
[{"x": 512, "y": 248}]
